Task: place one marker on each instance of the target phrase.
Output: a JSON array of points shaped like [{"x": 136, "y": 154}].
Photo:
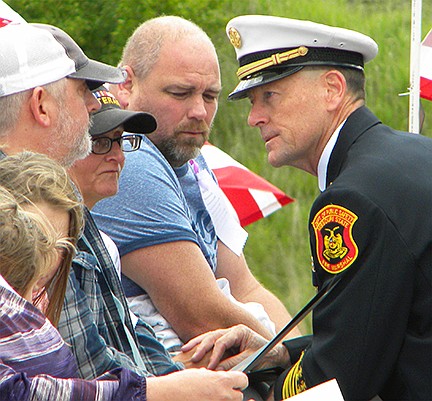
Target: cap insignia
[
  {"x": 4, "y": 22},
  {"x": 274, "y": 59},
  {"x": 106, "y": 97},
  {"x": 235, "y": 38}
]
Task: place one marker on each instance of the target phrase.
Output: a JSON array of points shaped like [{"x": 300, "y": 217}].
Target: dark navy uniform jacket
[{"x": 372, "y": 227}]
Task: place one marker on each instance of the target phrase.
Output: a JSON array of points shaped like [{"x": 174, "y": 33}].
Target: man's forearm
[{"x": 276, "y": 310}]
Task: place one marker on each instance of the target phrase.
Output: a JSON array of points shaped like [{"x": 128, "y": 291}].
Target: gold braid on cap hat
[{"x": 274, "y": 59}]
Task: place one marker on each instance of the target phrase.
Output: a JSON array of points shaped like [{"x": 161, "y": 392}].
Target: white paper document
[
  {"x": 227, "y": 227},
  {"x": 327, "y": 391}
]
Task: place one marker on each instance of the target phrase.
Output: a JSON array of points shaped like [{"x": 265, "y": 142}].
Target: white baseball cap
[
  {"x": 270, "y": 48},
  {"x": 37, "y": 54}
]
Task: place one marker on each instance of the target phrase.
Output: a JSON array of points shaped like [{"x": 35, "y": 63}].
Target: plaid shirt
[
  {"x": 92, "y": 323},
  {"x": 16, "y": 386},
  {"x": 32, "y": 352}
]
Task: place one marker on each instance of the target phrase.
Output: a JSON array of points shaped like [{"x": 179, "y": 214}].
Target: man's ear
[
  {"x": 123, "y": 91},
  {"x": 41, "y": 106},
  {"x": 336, "y": 88}
]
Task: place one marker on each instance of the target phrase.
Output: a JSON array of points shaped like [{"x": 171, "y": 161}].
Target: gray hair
[
  {"x": 11, "y": 106},
  {"x": 142, "y": 49},
  {"x": 355, "y": 79}
]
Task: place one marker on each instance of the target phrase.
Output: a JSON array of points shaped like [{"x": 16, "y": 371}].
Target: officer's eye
[{"x": 268, "y": 95}]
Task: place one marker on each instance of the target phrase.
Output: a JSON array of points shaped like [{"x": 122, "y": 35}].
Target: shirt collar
[
  {"x": 5, "y": 284},
  {"x": 325, "y": 157}
]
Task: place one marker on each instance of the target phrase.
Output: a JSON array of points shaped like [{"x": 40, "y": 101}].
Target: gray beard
[
  {"x": 80, "y": 150},
  {"x": 79, "y": 146}
]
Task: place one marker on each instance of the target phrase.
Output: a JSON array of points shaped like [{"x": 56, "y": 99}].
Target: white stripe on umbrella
[
  {"x": 426, "y": 67},
  {"x": 252, "y": 196},
  {"x": 267, "y": 201}
]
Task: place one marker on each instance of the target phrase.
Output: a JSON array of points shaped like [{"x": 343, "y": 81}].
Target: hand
[
  {"x": 222, "y": 343},
  {"x": 186, "y": 359},
  {"x": 197, "y": 385}
]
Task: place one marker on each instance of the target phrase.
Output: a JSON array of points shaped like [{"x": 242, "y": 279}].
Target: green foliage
[{"x": 278, "y": 246}]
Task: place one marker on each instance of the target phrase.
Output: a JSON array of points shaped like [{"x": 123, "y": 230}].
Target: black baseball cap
[{"x": 111, "y": 116}]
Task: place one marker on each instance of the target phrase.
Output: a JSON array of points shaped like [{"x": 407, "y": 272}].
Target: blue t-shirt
[{"x": 154, "y": 206}]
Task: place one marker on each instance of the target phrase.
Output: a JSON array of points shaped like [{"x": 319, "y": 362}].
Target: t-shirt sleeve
[{"x": 149, "y": 208}]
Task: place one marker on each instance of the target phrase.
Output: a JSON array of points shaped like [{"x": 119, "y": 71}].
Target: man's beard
[
  {"x": 178, "y": 150},
  {"x": 79, "y": 145}
]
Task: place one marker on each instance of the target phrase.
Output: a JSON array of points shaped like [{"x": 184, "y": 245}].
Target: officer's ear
[
  {"x": 336, "y": 87},
  {"x": 124, "y": 90}
]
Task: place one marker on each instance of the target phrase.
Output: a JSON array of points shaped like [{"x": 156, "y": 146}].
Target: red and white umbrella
[
  {"x": 252, "y": 196},
  {"x": 426, "y": 67}
]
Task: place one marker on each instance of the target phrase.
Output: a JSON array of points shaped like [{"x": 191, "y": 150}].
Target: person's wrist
[{"x": 280, "y": 357}]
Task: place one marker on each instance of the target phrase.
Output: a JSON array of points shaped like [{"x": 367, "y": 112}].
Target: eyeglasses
[{"x": 128, "y": 143}]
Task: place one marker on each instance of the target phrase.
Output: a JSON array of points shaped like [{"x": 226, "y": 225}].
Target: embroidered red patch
[{"x": 335, "y": 246}]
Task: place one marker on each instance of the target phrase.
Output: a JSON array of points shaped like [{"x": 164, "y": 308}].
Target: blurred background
[{"x": 278, "y": 246}]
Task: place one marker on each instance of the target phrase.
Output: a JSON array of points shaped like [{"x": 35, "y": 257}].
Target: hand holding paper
[{"x": 241, "y": 338}]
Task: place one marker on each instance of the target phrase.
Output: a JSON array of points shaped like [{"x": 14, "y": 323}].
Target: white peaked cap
[{"x": 270, "y": 48}]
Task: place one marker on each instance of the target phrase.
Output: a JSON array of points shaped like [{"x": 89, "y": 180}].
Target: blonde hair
[
  {"x": 27, "y": 243},
  {"x": 34, "y": 178}
]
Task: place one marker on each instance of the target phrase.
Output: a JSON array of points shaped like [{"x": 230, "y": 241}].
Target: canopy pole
[{"x": 414, "y": 91}]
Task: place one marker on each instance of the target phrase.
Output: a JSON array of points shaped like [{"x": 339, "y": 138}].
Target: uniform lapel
[{"x": 357, "y": 123}]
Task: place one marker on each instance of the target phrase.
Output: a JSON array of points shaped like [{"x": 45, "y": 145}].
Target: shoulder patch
[{"x": 335, "y": 246}]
